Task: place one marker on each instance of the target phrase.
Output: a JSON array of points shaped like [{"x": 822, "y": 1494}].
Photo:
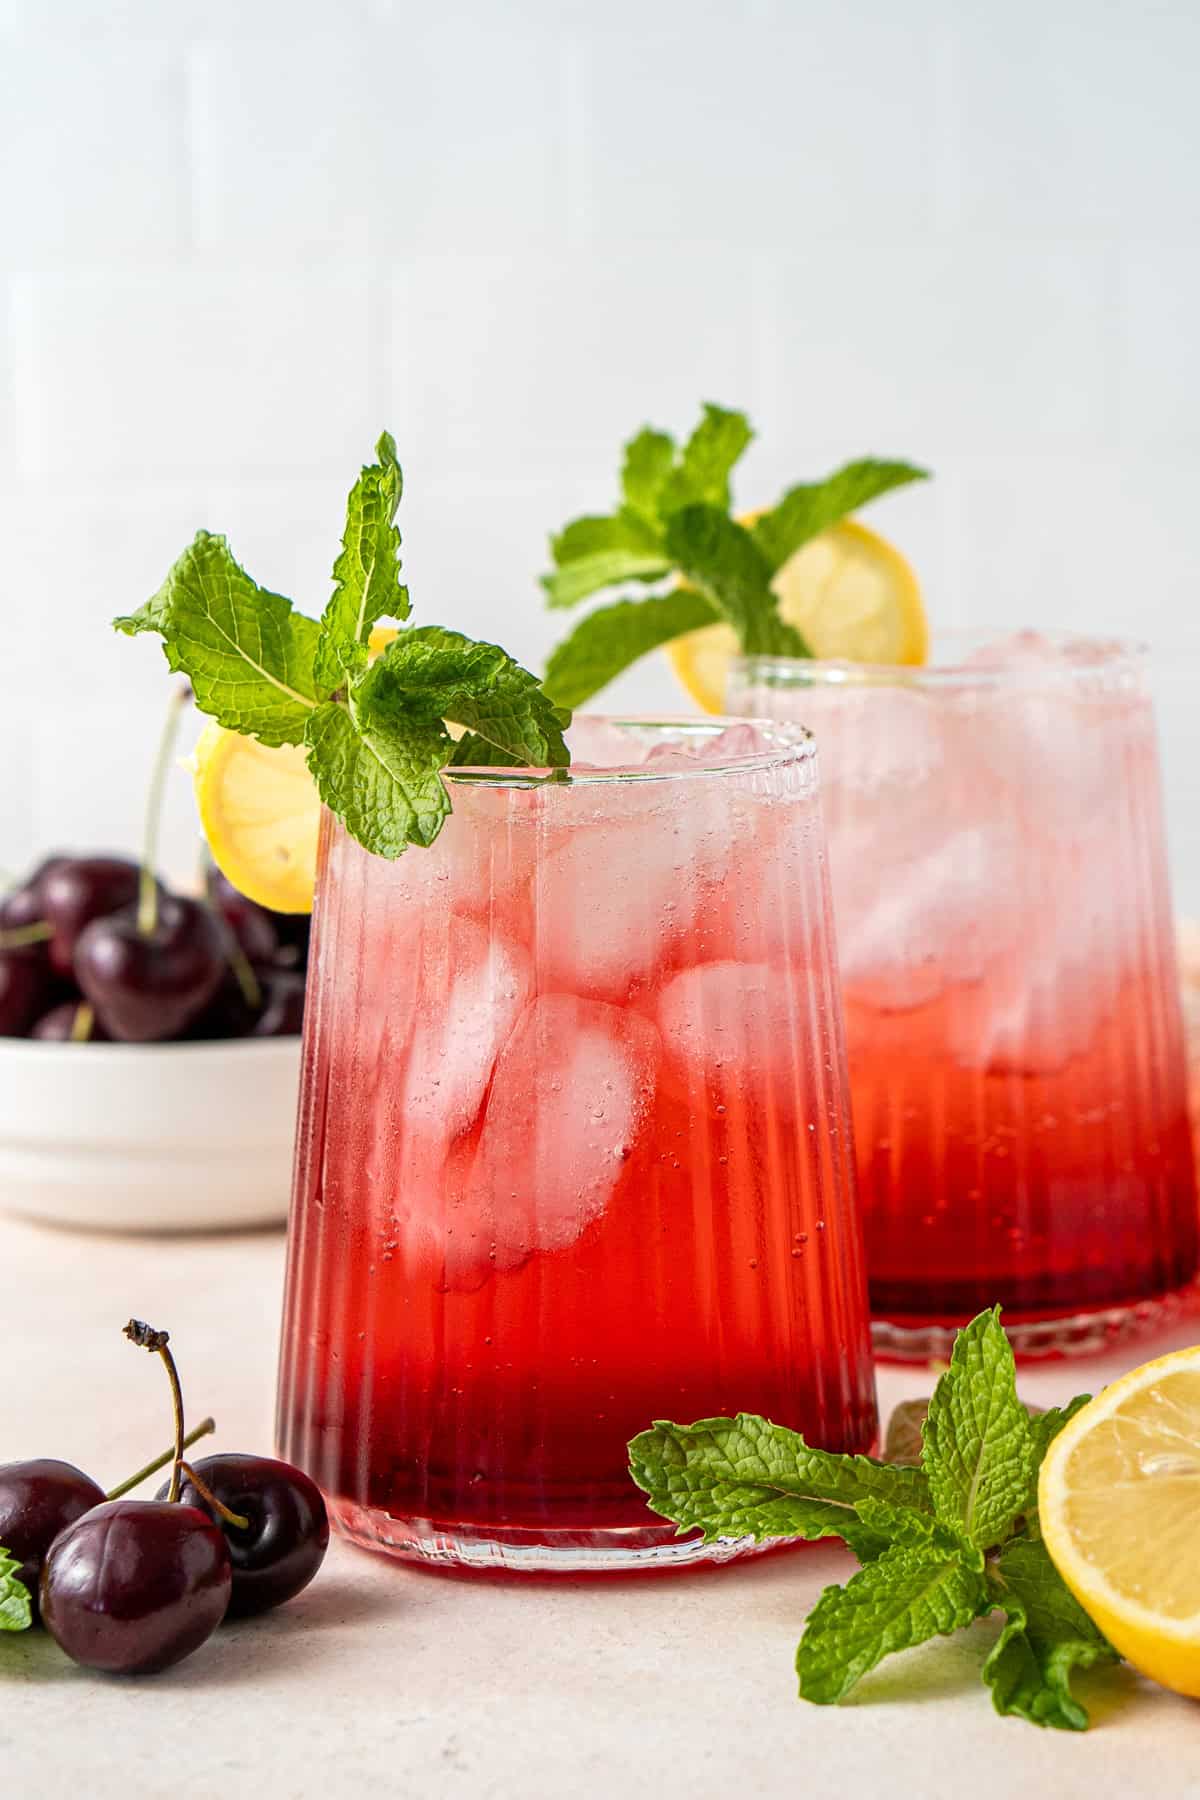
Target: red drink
[
  {"x": 1010, "y": 986},
  {"x": 573, "y": 1153}
]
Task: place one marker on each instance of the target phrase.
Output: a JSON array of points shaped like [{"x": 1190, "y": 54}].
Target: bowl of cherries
[
  {"x": 149, "y": 1049},
  {"x": 130, "y": 1586}
]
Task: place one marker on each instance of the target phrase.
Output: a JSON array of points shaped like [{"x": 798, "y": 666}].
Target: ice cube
[
  {"x": 733, "y": 1029},
  {"x": 616, "y": 898},
  {"x": 472, "y": 988},
  {"x": 908, "y": 928},
  {"x": 571, "y": 1093},
  {"x": 1049, "y": 740},
  {"x": 678, "y": 756}
]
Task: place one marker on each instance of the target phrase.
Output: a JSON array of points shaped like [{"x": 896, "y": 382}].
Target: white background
[{"x": 236, "y": 240}]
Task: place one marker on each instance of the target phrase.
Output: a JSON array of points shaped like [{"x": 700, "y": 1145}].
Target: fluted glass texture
[
  {"x": 1009, "y": 981},
  {"x": 574, "y": 1150}
]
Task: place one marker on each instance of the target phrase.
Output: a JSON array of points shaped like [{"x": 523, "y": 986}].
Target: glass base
[
  {"x": 1034, "y": 1335},
  {"x": 501, "y": 1549}
]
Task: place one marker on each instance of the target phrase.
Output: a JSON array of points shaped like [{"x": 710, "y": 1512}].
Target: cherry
[
  {"x": 148, "y": 981},
  {"x": 38, "y": 1499},
  {"x": 252, "y": 925},
  {"x": 24, "y": 929},
  {"x": 274, "y": 1520},
  {"x": 71, "y": 1022},
  {"x": 24, "y": 993},
  {"x": 282, "y": 1014},
  {"x": 229, "y": 1014},
  {"x": 76, "y": 890},
  {"x": 135, "y": 1585}
]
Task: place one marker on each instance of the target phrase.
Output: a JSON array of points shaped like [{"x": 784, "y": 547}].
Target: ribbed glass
[
  {"x": 574, "y": 1150},
  {"x": 1009, "y": 980}
]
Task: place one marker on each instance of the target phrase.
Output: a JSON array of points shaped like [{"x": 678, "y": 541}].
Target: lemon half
[{"x": 1119, "y": 1505}]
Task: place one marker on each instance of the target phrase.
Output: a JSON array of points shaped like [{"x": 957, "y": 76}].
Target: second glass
[
  {"x": 574, "y": 1150},
  {"x": 1010, "y": 985}
]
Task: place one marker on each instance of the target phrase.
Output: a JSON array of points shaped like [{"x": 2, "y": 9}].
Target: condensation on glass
[
  {"x": 1010, "y": 985},
  {"x": 574, "y": 1150}
]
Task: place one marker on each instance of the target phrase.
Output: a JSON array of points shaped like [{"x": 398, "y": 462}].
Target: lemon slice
[
  {"x": 1119, "y": 1501},
  {"x": 849, "y": 592},
  {"x": 261, "y": 815},
  {"x": 260, "y": 811}
]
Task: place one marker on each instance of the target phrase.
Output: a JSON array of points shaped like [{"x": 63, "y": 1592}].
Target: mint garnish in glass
[
  {"x": 376, "y": 732},
  {"x": 673, "y": 524}
]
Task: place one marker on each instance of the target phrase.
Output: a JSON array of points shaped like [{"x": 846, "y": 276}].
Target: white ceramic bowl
[{"x": 148, "y": 1137}]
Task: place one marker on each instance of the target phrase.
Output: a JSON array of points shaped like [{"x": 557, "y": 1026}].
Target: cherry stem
[
  {"x": 160, "y": 1462},
  {"x": 19, "y": 937},
  {"x": 239, "y": 962},
  {"x": 147, "y": 1338},
  {"x": 239, "y": 1521},
  {"x": 81, "y": 1024},
  {"x": 147, "y": 909}
]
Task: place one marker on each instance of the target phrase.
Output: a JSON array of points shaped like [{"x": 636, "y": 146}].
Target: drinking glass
[
  {"x": 574, "y": 1150},
  {"x": 1010, "y": 988}
]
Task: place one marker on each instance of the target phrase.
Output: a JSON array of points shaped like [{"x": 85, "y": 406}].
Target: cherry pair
[{"x": 132, "y": 1586}]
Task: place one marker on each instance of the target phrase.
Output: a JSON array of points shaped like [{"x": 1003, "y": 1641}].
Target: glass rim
[
  {"x": 788, "y": 744},
  {"x": 1109, "y": 655}
]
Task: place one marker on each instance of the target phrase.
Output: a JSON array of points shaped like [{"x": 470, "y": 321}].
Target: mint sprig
[
  {"x": 377, "y": 733},
  {"x": 943, "y": 1542},
  {"x": 367, "y": 573},
  {"x": 16, "y": 1608},
  {"x": 673, "y": 524}
]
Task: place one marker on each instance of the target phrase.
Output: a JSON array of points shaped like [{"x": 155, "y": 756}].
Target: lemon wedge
[
  {"x": 848, "y": 592},
  {"x": 260, "y": 811},
  {"x": 1118, "y": 1503}
]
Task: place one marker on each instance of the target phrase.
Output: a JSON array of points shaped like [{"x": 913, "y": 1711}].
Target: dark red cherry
[
  {"x": 38, "y": 1499},
  {"x": 25, "y": 991},
  {"x": 282, "y": 1012},
  {"x": 19, "y": 909},
  {"x": 71, "y": 1022},
  {"x": 148, "y": 985},
  {"x": 227, "y": 1015},
  {"x": 287, "y": 1535},
  {"x": 135, "y": 1585},
  {"x": 76, "y": 890},
  {"x": 250, "y": 923}
]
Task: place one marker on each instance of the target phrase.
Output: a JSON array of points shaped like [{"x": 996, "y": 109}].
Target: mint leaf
[
  {"x": 702, "y": 476},
  {"x": 807, "y": 510},
  {"x": 16, "y": 1609},
  {"x": 907, "y": 1596},
  {"x": 609, "y": 639},
  {"x": 381, "y": 774},
  {"x": 744, "y": 1477},
  {"x": 593, "y": 553},
  {"x": 893, "y": 1524},
  {"x": 721, "y": 558},
  {"x": 367, "y": 573},
  {"x": 1047, "y": 1635},
  {"x": 247, "y": 653},
  {"x": 978, "y": 1444},
  {"x": 649, "y": 459},
  {"x": 431, "y": 671}
]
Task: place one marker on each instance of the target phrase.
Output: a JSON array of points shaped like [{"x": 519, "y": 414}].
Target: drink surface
[
  {"x": 1007, "y": 954},
  {"x": 574, "y": 1149}
]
